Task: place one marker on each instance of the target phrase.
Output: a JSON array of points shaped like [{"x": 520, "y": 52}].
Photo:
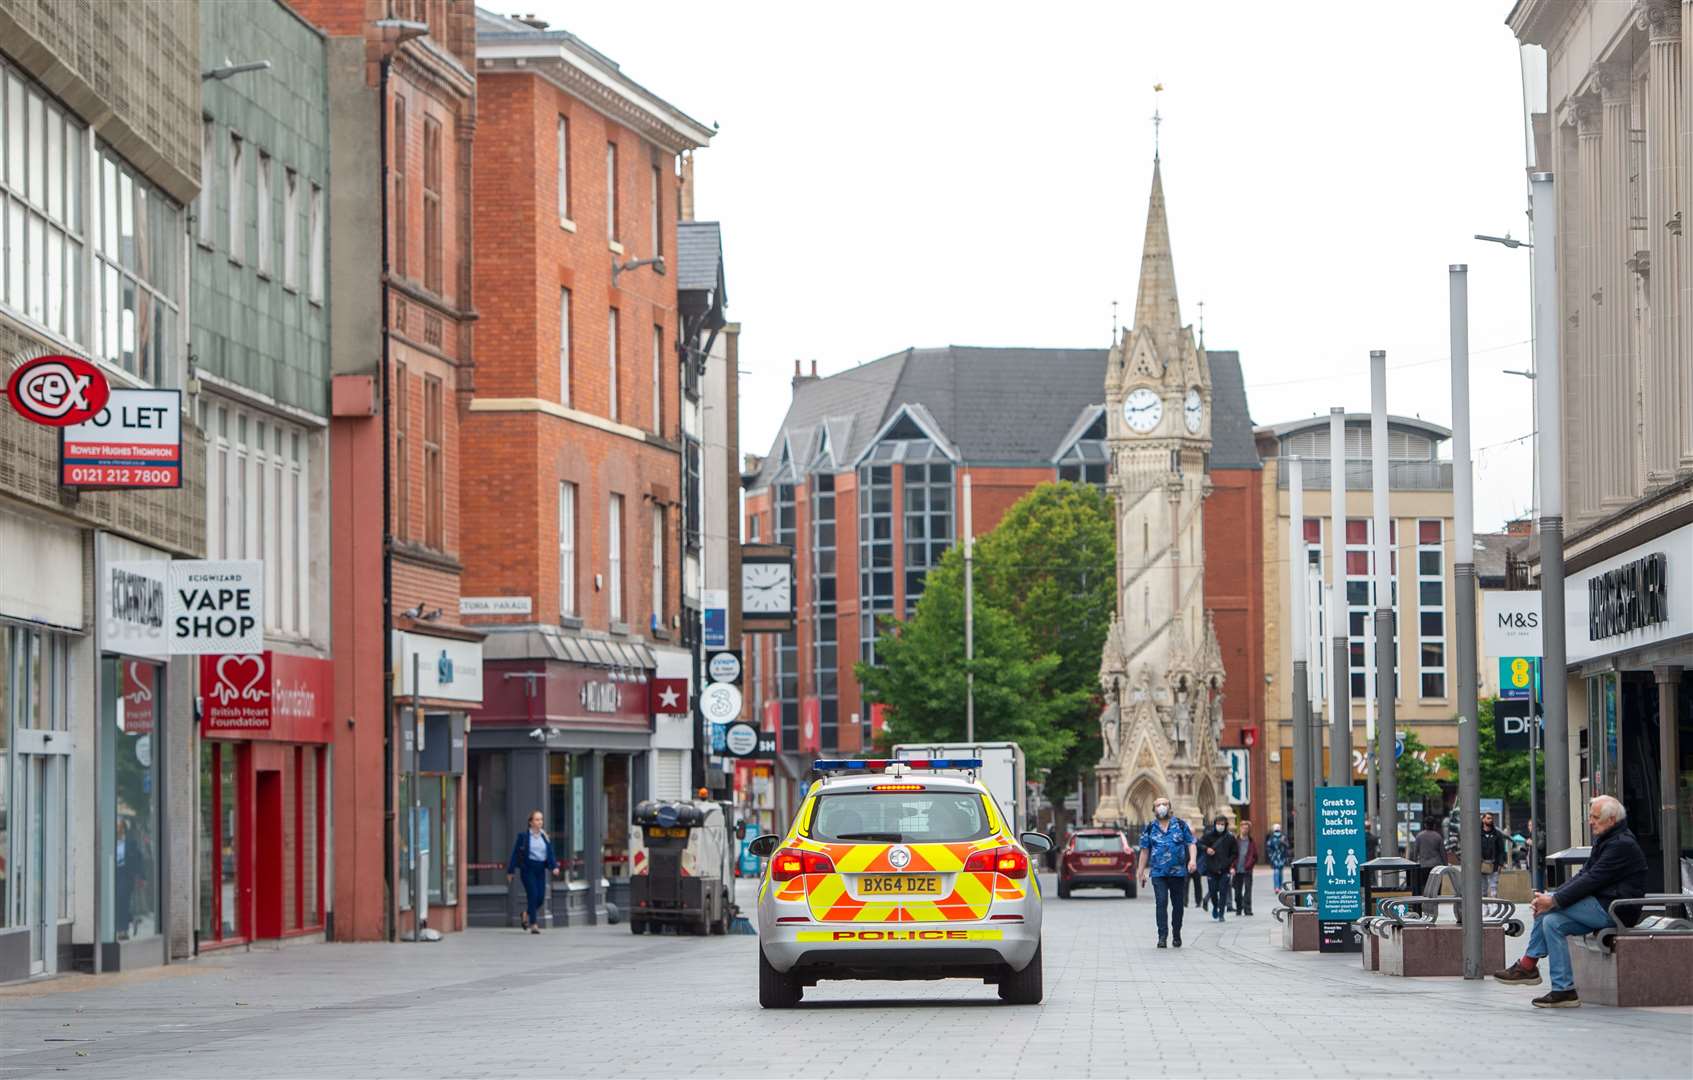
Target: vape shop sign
[
  {"x": 215, "y": 606},
  {"x": 266, "y": 694}
]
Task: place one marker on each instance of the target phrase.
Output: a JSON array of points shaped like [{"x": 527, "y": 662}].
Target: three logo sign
[{"x": 58, "y": 390}]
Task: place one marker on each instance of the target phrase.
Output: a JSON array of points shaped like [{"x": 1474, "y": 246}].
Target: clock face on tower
[
  {"x": 767, "y": 588},
  {"x": 1142, "y": 410},
  {"x": 1193, "y": 410}
]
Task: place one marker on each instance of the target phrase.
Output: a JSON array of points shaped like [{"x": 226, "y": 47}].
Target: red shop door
[{"x": 268, "y": 856}]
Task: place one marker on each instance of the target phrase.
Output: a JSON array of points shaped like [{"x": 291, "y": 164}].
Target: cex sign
[{"x": 58, "y": 390}]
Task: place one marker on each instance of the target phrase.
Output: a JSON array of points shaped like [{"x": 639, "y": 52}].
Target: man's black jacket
[
  {"x": 1495, "y": 848},
  {"x": 1616, "y": 870},
  {"x": 1224, "y": 845}
]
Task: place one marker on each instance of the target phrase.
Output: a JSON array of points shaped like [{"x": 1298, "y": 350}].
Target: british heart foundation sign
[{"x": 265, "y": 695}]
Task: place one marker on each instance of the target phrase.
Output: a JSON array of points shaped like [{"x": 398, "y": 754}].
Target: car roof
[{"x": 932, "y": 780}]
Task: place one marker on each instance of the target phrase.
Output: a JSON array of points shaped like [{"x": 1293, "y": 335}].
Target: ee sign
[{"x": 215, "y": 607}]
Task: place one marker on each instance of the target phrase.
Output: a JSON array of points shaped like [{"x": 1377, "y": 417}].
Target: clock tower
[{"x": 1162, "y": 669}]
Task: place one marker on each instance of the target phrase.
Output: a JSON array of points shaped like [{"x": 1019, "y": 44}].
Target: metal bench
[{"x": 1648, "y": 964}]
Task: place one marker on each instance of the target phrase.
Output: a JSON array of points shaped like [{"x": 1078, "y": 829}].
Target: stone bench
[
  {"x": 1637, "y": 966},
  {"x": 1299, "y": 930},
  {"x": 1409, "y": 938}
]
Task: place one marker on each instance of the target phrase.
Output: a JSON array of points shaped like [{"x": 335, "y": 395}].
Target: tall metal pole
[
  {"x": 1319, "y": 720},
  {"x": 1533, "y": 779},
  {"x": 969, "y": 615},
  {"x": 1548, "y": 410},
  {"x": 416, "y": 801},
  {"x": 1464, "y": 580},
  {"x": 1340, "y": 671},
  {"x": 1298, "y": 580},
  {"x": 1387, "y": 645}
]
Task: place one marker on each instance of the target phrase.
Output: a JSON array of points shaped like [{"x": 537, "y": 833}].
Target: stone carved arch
[
  {"x": 1205, "y": 797},
  {"x": 1138, "y": 799}
]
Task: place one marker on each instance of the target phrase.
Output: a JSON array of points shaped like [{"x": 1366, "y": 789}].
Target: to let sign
[
  {"x": 135, "y": 441},
  {"x": 215, "y": 606}
]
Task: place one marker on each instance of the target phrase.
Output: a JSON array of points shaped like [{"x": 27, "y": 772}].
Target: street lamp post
[
  {"x": 1387, "y": 810},
  {"x": 1464, "y": 605},
  {"x": 1297, "y": 580},
  {"x": 1340, "y": 735}
]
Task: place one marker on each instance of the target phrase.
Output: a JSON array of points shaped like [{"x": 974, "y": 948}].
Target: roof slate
[
  {"x": 699, "y": 255},
  {"x": 1005, "y": 406},
  {"x": 1232, "y": 444}
]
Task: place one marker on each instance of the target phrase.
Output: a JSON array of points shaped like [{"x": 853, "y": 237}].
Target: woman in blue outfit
[{"x": 532, "y": 856}]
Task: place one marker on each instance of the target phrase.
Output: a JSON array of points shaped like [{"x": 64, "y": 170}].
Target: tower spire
[{"x": 1157, "y": 309}]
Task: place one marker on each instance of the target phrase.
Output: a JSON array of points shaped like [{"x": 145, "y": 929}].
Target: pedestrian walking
[
  {"x": 532, "y": 856},
  {"x": 1537, "y": 840},
  {"x": 1220, "y": 849},
  {"x": 1168, "y": 856},
  {"x": 1428, "y": 850},
  {"x": 1495, "y": 854},
  {"x": 1199, "y": 888},
  {"x": 1246, "y": 861},
  {"x": 1372, "y": 842},
  {"x": 1277, "y": 850}
]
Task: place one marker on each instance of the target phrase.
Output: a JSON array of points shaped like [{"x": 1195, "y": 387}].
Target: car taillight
[
  {"x": 792, "y": 862},
  {"x": 1008, "y": 860}
]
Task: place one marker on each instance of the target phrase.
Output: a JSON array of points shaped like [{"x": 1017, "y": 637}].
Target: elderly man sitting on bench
[{"x": 1616, "y": 869}]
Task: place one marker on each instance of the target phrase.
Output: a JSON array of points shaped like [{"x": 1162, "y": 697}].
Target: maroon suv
[{"x": 1097, "y": 859}]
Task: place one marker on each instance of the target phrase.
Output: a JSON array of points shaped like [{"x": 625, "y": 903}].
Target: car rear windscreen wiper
[{"x": 891, "y": 837}]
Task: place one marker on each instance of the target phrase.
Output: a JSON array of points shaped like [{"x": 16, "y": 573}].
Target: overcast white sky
[{"x": 976, "y": 174}]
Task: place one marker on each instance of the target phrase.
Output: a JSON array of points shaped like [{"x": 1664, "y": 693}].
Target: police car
[{"x": 899, "y": 870}]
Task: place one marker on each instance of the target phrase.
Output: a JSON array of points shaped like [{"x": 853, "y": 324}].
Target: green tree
[
  {"x": 1504, "y": 773},
  {"x": 920, "y": 673},
  {"x": 1415, "y": 777},
  {"x": 1051, "y": 564}
]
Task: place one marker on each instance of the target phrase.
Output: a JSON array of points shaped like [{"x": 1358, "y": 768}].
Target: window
[
  {"x": 434, "y": 478},
  {"x": 256, "y": 505},
  {"x": 567, "y": 549},
  {"x": 264, "y": 260},
  {"x": 1431, "y": 607},
  {"x": 563, "y": 174},
  {"x": 41, "y": 230},
  {"x": 208, "y": 185},
  {"x": 611, "y": 364},
  {"x": 928, "y": 524},
  {"x": 402, "y": 220},
  {"x": 564, "y": 346},
  {"x": 1361, "y": 601},
  {"x": 138, "y": 234},
  {"x": 316, "y": 279},
  {"x": 658, "y": 566},
  {"x": 825, "y": 635},
  {"x": 291, "y": 229},
  {"x": 657, "y": 214},
  {"x": 931, "y": 817},
  {"x": 614, "y": 559},
  {"x": 611, "y": 191},
  {"x": 875, "y": 553},
  {"x": 401, "y": 399},
  {"x": 237, "y": 223},
  {"x": 658, "y": 379},
  {"x": 432, "y": 238}
]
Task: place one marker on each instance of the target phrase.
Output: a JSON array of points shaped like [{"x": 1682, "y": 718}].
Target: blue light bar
[{"x": 870, "y": 765}]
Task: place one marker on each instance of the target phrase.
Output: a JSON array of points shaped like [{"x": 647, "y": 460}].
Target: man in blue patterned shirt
[{"x": 1168, "y": 854}]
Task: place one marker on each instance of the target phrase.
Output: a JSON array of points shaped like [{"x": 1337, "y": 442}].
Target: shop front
[
  {"x": 1629, "y": 636},
  {"x": 569, "y": 734},
  {"x": 41, "y": 627},
  {"x": 264, "y": 778}
]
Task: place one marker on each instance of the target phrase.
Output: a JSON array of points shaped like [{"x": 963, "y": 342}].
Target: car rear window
[
  {"x": 924, "y": 817},
  {"x": 1099, "y": 842}
]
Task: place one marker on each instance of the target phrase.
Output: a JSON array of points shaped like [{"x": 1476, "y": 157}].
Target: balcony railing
[{"x": 1402, "y": 475}]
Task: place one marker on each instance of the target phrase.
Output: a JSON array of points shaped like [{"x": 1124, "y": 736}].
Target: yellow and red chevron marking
[{"x": 972, "y": 894}]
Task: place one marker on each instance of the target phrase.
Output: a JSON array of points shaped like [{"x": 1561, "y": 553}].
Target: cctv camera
[{"x": 538, "y": 734}]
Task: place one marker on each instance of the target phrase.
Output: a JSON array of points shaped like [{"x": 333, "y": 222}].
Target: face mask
[
  {"x": 1222, "y": 826},
  {"x": 1161, "y": 811}
]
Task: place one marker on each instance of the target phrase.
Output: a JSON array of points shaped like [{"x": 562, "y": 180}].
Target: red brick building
[
  {"x": 573, "y": 500},
  {"x": 865, "y": 480},
  {"x": 403, "y": 101},
  {"x": 1234, "y": 575}
]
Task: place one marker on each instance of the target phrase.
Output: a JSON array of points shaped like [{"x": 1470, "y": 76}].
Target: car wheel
[
  {"x": 1022, "y": 987},
  {"x": 637, "y": 926},
  {"x": 775, "y": 989},
  {"x": 1129, "y": 890}
]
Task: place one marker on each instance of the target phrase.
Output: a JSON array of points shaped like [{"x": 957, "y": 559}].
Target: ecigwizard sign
[{"x": 215, "y": 606}]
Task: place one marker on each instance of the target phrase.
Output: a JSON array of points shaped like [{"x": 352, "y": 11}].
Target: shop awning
[{"x": 547, "y": 643}]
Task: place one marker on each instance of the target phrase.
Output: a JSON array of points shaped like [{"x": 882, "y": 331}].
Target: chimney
[
  {"x": 1519, "y": 527},
  {"x": 800, "y": 378},
  {"x": 685, "y": 193},
  {"x": 814, "y": 369}
]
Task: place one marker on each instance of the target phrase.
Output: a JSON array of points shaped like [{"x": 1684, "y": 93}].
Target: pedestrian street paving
[{"x": 600, "y": 1002}]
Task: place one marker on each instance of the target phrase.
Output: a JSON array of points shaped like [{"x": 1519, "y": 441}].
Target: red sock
[{"x": 1529, "y": 963}]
